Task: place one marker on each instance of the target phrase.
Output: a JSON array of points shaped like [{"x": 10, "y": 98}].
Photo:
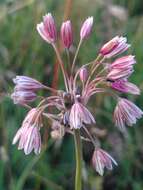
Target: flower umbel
[{"x": 69, "y": 112}]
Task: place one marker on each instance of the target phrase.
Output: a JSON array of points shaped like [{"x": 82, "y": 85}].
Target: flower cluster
[{"x": 98, "y": 76}]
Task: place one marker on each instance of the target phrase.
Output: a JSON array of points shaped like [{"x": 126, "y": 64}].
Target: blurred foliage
[{"x": 22, "y": 51}]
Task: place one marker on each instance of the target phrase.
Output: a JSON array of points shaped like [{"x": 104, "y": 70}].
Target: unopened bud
[
  {"x": 83, "y": 74},
  {"x": 114, "y": 47},
  {"x": 47, "y": 28},
  {"x": 67, "y": 34},
  {"x": 86, "y": 28},
  {"x": 23, "y": 97}
]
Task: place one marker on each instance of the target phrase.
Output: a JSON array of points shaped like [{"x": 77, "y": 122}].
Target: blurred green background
[{"x": 23, "y": 52}]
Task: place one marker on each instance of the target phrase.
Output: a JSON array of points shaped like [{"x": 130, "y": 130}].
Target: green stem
[
  {"x": 78, "y": 151},
  {"x": 75, "y": 57}
]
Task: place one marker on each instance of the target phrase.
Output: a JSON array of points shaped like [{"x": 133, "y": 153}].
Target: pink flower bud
[
  {"x": 47, "y": 29},
  {"x": 121, "y": 68},
  {"x": 23, "y": 97},
  {"x": 86, "y": 28},
  {"x": 24, "y": 91},
  {"x": 122, "y": 85},
  {"x": 83, "y": 74},
  {"x": 67, "y": 34},
  {"x": 114, "y": 47},
  {"x": 24, "y": 83}
]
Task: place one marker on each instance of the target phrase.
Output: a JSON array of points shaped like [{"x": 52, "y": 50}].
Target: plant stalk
[
  {"x": 75, "y": 57},
  {"x": 62, "y": 66},
  {"x": 78, "y": 152}
]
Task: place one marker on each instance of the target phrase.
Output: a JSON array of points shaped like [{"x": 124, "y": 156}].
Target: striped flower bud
[
  {"x": 121, "y": 68},
  {"x": 122, "y": 85},
  {"x": 67, "y": 34},
  {"x": 26, "y": 83},
  {"x": 86, "y": 28},
  {"x": 47, "y": 28},
  {"x": 23, "y": 97},
  {"x": 83, "y": 74},
  {"x": 114, "y": 47}
]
